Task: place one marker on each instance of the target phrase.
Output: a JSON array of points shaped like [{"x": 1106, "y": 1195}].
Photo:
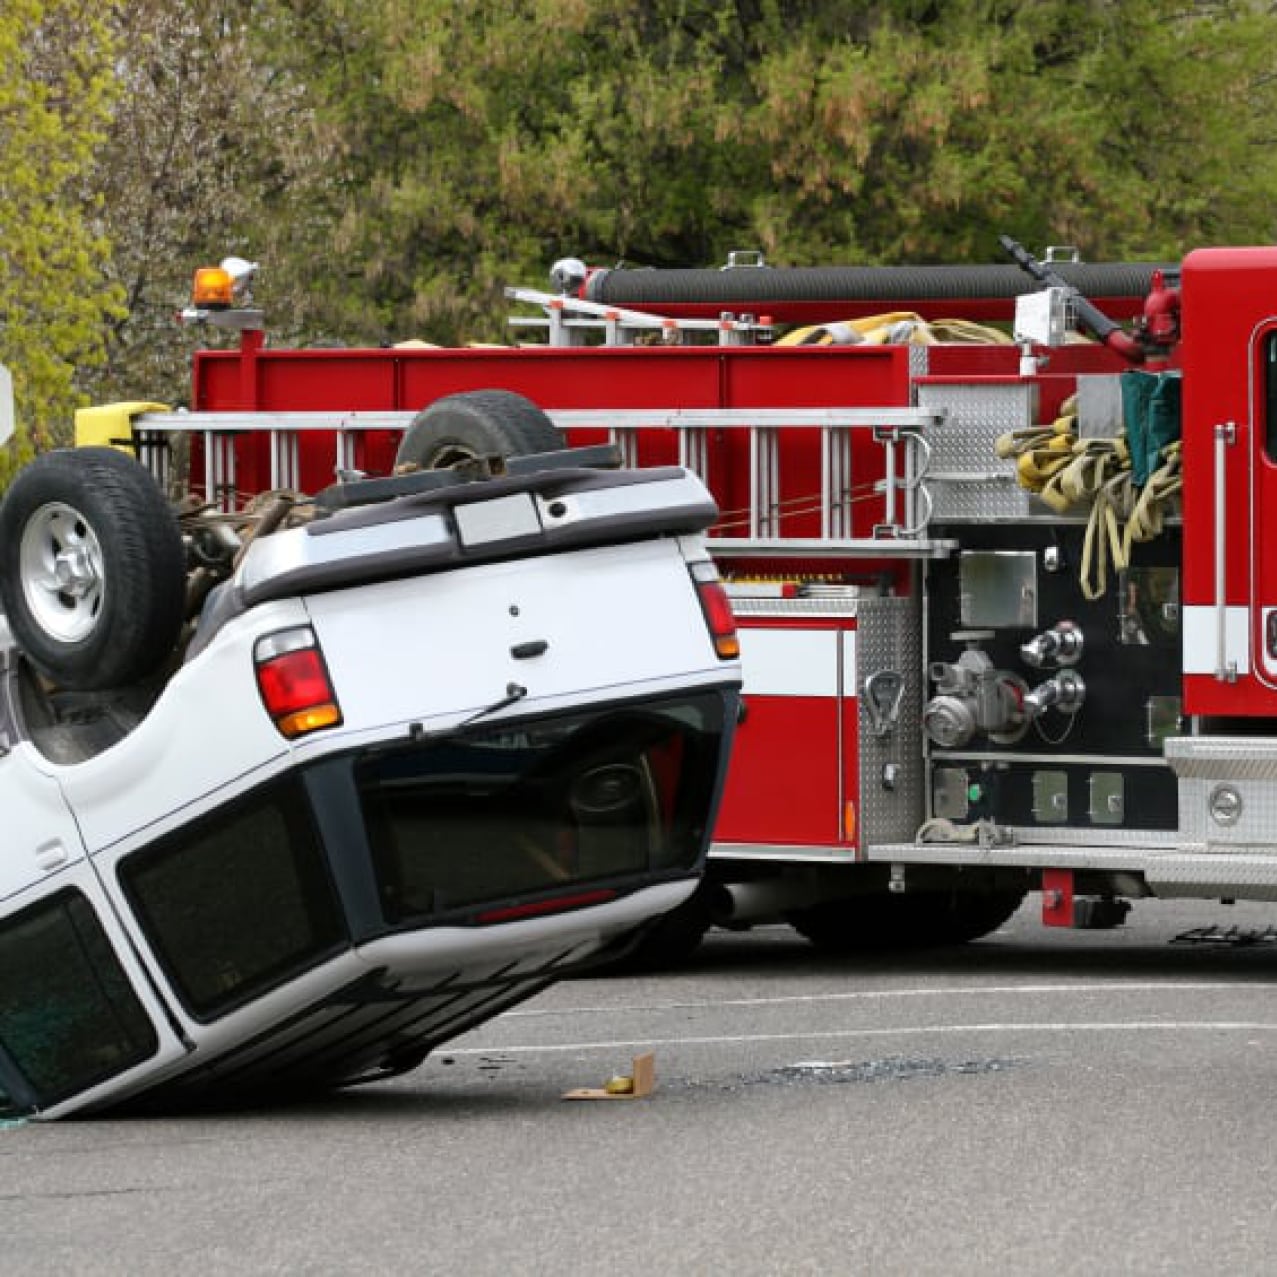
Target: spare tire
[
  {"x": 477, "y": 423},
  {"x": 92, "y": 569}
]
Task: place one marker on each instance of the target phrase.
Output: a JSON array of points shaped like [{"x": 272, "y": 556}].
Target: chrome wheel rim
[{"x": 60, "y": 560}]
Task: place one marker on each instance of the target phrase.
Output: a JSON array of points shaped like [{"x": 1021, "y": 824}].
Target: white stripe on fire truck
[
  {"x": 798, "y": 662},
  {"x": 1201, "y": 641}
]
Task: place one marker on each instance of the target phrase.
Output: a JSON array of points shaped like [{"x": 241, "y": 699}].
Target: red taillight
[
  {"x": 718, "y": 610},
  {"x": 539, "y": 908},
  {"x": 294, "y": 683}
]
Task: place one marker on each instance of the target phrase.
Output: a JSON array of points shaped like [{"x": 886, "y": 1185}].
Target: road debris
[{"x": 640, "y": 1082}]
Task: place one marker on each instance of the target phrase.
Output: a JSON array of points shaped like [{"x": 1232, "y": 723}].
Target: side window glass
[
  {"x": 8, "y": 1106},
  {"x": 239, "y": 903},
  {"x": 1270, "y": 395},
  {"x": 69, "y": 1018}
]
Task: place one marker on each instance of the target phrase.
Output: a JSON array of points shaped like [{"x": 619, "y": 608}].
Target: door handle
[
  {"x": 51, "y": 855},
  {"x": 1225, "y": 670}
]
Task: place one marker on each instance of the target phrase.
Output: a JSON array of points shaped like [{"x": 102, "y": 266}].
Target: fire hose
[
  {"x": 902, "y": 327},
  {"x": 1066, "y": 472}
]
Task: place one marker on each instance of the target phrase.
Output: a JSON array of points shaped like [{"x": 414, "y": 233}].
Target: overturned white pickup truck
[{"x": 455, "y": 736}]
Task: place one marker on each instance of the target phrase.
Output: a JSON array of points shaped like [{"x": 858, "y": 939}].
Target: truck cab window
[{"x": 1270, "y": 395}]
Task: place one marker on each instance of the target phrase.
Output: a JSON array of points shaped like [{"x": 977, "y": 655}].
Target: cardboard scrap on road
[{"x": 642, "y": 1081}]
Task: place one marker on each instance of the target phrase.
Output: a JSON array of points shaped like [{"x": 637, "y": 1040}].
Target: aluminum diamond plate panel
[
  {"x": 1168, "y": 871},
  {"x": 1019, "y": 855},
  {"x": 1223, "y": 757},
  {"x": 889, "y": 637},
  {"x": 967, "y": 481},
  {"x": 1246, "y": 766},
  {"x": 795, "y": 607},
  {"x": 1253, "y": 825},
  {"x": 1241, "y": 877}
]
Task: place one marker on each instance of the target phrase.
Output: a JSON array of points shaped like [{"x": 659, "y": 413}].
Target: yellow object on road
[{"x": 639, "y": 1083}]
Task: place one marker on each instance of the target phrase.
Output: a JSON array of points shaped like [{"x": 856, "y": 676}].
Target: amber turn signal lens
[
  {"x": 717, "y": 608},
  {"x": 294, "y": 684}
]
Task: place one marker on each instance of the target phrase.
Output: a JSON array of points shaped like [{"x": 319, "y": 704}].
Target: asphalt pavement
[{"x": 1037, "y": 1102}]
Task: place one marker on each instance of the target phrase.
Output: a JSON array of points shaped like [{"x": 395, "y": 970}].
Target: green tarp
[{"x": 1150, "y": 410}]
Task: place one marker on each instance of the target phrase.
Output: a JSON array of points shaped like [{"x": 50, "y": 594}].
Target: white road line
[
  {"x": 867, "y": 995},
  {"x": 929, "y": 1030}
]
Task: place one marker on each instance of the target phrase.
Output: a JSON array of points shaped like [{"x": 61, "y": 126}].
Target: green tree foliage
[
  {"x": 212, "y": 151},
  {"x": 394, "y": 163},
  {"x": 482, "y": 141},
  {"x": 1128, "y": 129},
  {"x": 54, "y": 297}
]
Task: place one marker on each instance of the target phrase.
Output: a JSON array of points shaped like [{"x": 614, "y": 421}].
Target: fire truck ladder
[{"x": 901, "y": 433}]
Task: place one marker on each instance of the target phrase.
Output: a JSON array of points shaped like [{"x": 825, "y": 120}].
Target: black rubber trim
[
  {"x": 602, "y": 456},
  {"x": 546, "y": 484},
  {"x": 361, "y": 492}
]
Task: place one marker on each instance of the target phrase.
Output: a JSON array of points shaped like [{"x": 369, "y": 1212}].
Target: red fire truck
[{"x": 1007, "y": 596}]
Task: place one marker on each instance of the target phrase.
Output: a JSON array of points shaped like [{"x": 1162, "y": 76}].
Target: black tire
[
  {"x": 477, "y": 423},
  {"x": 913, "y": 920},
  {"x": 968, "y": 915},
  {"x": 92, "y": 569}
]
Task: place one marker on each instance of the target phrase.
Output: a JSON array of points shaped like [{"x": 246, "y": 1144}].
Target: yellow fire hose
[
  {"x": 1065, "y": 472},
  {"x": 897, "y": 327}
]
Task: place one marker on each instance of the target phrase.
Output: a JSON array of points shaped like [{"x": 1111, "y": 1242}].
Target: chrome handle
[{"x": 1225, "y": 670}]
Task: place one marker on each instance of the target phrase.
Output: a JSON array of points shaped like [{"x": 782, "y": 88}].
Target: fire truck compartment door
[{"x": 792, "y": 760}]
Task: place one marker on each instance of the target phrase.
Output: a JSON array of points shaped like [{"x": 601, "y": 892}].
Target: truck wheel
[
  {"x": 92, "y": 569},
  {"x": 966, "y": 915},
  {"x": 477, "y": 423},
  {"x": 856, "y": 925},
  {"x": 917, "y": 920}
]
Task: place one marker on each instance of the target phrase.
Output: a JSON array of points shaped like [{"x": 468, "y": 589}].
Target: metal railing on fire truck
[
  {"x": 900, "y": 482},
  {"x": 572, "y": 321}
]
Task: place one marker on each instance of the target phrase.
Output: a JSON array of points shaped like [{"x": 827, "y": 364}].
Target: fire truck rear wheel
[
  {"x": 916, "y": 920},
  {"x": 92, "y": 569},
  {"x": 477, "y": 423}
]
